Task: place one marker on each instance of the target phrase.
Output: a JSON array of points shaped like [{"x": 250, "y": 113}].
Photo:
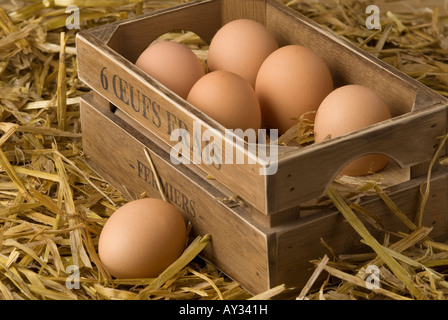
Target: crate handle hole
[
  {"x": 375, "y": 166},
  {"x": 363, "y": 165}
]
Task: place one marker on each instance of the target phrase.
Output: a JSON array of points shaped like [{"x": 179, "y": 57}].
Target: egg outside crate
[{"x": 218, "y": 150}]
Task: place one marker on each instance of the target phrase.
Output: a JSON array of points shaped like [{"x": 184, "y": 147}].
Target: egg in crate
[
  {"x": 173, "y": 64},
  {"x": 228, "y": 99},
  {"x": 142, "y": 238},
  {"x": 291, "y": 82},
  {"x": 241, "y": 46},
  {"x": 347, "y": 109}
]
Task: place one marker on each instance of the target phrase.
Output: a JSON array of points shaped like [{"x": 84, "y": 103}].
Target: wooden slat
[
  {"x": 243, "y": 9},
  {"x": 304, "y": 239}
]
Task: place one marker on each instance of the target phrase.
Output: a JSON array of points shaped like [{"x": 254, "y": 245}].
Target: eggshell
[
  {"x": 142, "y": 238},
  {"x": 172, "y": 64},
  {"x": 347, "y": 109},
  {"x": 241, "y": 46},
  {"x": 292, "y": 81},
  {"x": 227, "y": 98}
]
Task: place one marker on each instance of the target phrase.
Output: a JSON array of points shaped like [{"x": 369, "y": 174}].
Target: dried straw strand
[{"x": 397, "y": 269}]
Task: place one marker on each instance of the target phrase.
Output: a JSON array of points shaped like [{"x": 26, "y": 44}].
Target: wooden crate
[
  {"x": 256, "y": 252},
  {"x": 106, "y": 57}
]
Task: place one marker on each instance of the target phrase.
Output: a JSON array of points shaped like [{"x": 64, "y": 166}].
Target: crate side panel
[
  {"x": 243, "y": 9},
  {"x": 132, "y": 37},
  {"x": 299, "y": 245}
]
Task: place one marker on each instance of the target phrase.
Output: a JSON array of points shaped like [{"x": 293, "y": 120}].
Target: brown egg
[
  {"x": 172, "y": 64},
  {"x": 142, "y": 238},
  {"x": 292, "y": 81},
  {"x": 241, "y": 46},
  {"x": 227, "y": 98},
  {"x": 347, "y": 109}
]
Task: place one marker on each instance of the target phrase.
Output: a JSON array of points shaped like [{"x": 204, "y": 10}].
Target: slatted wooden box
[
  {"x": 106, "y": 57},
  {"x": 258, "y": 253}
]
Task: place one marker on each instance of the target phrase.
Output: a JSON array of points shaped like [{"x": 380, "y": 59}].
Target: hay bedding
[{"x": 53, "y": 206}]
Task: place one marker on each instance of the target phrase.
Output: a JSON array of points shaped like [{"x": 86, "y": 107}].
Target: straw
[{"x": 397, "y": 268}]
